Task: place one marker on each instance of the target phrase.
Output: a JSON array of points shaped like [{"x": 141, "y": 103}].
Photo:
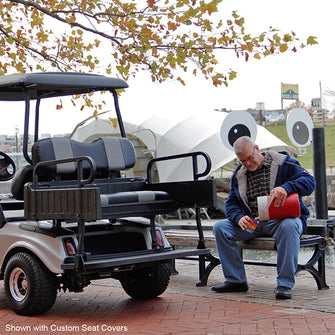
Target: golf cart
[{"x": 73, "y": 218}]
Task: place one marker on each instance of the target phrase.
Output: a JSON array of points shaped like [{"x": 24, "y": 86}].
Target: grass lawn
[{"x": 279, "y": 130}]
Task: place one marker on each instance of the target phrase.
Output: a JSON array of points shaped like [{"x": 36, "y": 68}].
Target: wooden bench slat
[
  {"x": 189, "y": 238},
  {"x": 259, "y": 243}
]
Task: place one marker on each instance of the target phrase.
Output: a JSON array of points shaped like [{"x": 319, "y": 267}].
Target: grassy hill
[{"x": 279, "y": 130}]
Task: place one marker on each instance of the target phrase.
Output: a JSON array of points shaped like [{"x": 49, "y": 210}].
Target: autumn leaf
[
  {"x": 240, "y": 22},
  {"x": 114, "y": 122},
  {"x": 287, "y": 38},
  {"x": 283, "y": 47},
  {"x": 250, "y": 46},
  {"x": 36, "y": 20},
  {"x": 217, "y": 79},
  {"x": 151, "y": 3},
  {"x": 311, "y": 40},
  {"x": 154, "y": 51},
  {"x": 181, "y": 81},
  {"x": 232, "y": 75},
  {"x": 172, "y": 26}
]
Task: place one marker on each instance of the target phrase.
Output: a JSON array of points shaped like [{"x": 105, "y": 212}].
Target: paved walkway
[{"x": 103, "y": 308}]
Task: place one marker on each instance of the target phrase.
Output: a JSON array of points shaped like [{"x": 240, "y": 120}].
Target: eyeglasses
[{"x": 251, "y": 157}]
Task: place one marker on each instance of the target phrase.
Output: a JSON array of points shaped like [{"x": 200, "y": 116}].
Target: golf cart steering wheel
[{"x": 7, "y": 167}]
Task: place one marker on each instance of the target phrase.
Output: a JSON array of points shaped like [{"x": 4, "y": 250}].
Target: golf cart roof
[
  {"x": 39, "y": 85},
  {"x": 14, "y": 87}
]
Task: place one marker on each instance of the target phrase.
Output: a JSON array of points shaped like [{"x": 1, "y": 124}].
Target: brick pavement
[
  {"x": 262, "y": 281},
  {"x": 103, "y": 308}
]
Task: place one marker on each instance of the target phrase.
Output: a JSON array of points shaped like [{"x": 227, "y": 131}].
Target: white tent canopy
[{"x": 179, "y": 134}]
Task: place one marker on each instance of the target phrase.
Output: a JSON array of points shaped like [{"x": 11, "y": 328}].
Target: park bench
[{"x": 315, "y": 265}]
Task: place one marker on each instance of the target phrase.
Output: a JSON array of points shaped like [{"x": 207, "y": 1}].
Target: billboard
[{"x": 289, "y": 91}]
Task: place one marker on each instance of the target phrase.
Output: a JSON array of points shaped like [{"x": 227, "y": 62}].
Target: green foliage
[
  {"x": 279, "y": 130},
  {"x": 122, "y": 38}
]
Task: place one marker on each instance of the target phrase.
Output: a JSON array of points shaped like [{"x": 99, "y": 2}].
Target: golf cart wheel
[
  {"x": 30, "y": 288},
  {"x": 147, "y": 283}
]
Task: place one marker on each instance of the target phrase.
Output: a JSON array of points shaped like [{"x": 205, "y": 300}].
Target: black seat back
[
  {"x": 22, "y": 176},
  {"x": 111, "y": 154}
]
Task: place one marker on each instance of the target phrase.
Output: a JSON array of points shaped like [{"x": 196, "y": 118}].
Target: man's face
[{"x": 251, "y": 158}]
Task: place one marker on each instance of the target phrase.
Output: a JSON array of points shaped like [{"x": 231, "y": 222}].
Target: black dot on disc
[
  {"x": 300, "y": 132},
  {"x": 237, "y": 131}
]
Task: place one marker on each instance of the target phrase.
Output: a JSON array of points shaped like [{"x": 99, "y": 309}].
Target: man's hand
[
  {"x": 279, "y": 196},
  {"x": 244, "y": 221}
]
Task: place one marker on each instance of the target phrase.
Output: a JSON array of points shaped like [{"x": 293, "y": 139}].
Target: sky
[{"x": 257, "y": 80}]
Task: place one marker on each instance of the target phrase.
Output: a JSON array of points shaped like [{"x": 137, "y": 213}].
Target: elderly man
[{"x": 262, "y": 174}]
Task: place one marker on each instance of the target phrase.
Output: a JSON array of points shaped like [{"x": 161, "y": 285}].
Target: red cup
[{"x": 290, "y": 209}]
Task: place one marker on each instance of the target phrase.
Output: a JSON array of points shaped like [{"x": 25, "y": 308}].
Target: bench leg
[
  {"x": 322, "y": 271},
  {"x": 319, "y": 274},
  {"x": 205, "y": 271}
]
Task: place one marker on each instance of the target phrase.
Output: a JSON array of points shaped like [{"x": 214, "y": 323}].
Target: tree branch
[
  {"x": 56, "y": 17},
  {"x": 32, "y": 50}
]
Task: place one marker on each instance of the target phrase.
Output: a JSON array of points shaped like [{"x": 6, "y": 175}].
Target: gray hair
[{"x": 243, "y": 143}]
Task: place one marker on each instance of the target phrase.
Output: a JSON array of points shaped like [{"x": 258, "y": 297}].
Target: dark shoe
[
  {"x": 230, "y": 287},
  {"x": 283, "y": 292}
]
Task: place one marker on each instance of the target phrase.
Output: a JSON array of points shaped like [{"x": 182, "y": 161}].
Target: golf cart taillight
[
  {"x": 159, "y": 238},
  {"x": 70, "y": 246}
]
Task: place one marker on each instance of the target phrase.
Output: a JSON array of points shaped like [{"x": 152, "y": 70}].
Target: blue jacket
[{"x": 285, "y": 172}]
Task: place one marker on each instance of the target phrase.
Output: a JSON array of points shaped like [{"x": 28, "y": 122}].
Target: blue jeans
[{"x": 287, "y": 234}]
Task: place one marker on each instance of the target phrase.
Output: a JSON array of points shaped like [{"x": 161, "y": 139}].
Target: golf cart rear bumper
[{"x": 90, "y": 263}]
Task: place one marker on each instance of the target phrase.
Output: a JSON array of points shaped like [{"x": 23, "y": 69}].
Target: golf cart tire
[
  {"x": 147, "y": 283},
  {"x": 30, "y": 288}
]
